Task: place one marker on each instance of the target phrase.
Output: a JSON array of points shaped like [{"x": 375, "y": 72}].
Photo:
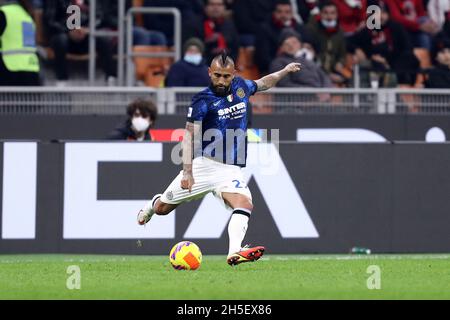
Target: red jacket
[
  {"x": 407, "y": 12},
  {"x": 350, "y": 18}
]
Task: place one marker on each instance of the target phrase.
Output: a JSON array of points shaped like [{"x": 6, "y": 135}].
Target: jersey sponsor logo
[{"x": 232, "y": 111}]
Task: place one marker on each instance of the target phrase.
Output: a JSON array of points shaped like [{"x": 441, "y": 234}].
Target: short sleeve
[
  {"x": 197, "y": 111},
  {"x": 252, "y": 86}
]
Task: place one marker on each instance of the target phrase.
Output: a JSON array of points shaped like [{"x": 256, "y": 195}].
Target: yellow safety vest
[{"x": 18, "y": 41}]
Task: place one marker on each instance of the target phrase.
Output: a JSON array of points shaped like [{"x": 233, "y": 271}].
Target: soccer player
[{"x": 218, "y": 114}]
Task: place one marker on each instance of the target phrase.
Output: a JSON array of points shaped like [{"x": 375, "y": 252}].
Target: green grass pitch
[{"x": 273, "y": 277}]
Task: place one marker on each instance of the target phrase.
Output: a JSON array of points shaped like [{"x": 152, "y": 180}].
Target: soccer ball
[{"x": 185, "y": 255}]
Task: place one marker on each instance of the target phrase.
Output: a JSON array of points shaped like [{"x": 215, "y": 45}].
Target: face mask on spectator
[
  {"x": 305, "y": 54},
  {"x": 329, "y": 23},
  {"x": 140, "y": 124},
  {"x": 287, "y": 23},
  {"x": 193, "y": 58}
]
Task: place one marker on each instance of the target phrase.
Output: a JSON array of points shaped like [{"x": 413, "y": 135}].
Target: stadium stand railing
[
  {"x": 113, "y": 100},
  {"x": 73, "y": 100},
  {"x": 137, "y": 52}
]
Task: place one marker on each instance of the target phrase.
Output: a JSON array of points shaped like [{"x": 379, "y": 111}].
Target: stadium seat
[
  {"x": 349, "y": 64},
  {"x": 245, "y": 63},
  {"x": 155, "y": 77},
  {"x": 151, "y": 70}
]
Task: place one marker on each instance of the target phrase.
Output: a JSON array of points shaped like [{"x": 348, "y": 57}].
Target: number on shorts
[{"x": 238, "y": 184}]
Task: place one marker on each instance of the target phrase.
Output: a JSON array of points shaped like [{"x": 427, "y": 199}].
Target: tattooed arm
[
  {"x": 188, "y": 150},
  {"x": 271, "y": 80}
]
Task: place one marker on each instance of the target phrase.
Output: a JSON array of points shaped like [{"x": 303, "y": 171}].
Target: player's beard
[{"x": 221, "y": 91}]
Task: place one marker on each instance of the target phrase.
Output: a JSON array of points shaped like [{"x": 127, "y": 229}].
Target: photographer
[{"x": 142, "y": 115}]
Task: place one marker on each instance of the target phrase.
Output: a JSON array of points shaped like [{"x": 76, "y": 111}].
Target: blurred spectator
[
  {"x": 190, "y": 10},
  {"x": 191, "y": 71},
  {"x": 412, "y": 15},
  {"x": 291, "y": 51},
  {"x": 269, "y": 33},
  {"x": 332, "y": 44},
  {"x": 387, "y": 50},
  {"x": 304, "y": 10},
  {"x": 63, "y": 40},
  {"x": 142, "y": 115},
  {"x": 437, "y": 10},
  {"x": 352, "y": 15},
  {"x": 19, "y": 63},
  {"x": 248, "y": 17},
  {"x": 445, "y": 32},
  {"x": 439, "y": 76},
  {"x": 141, "y": 36},
  {"x": 215, "y": 30}
]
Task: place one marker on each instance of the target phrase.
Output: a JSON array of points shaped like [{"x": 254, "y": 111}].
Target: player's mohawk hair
[
  {"x": 224, "y": 59},
  {"x": 224, "y": 56}
]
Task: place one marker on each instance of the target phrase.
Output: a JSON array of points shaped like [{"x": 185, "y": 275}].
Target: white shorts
[{"x": 209, "y": 176}]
